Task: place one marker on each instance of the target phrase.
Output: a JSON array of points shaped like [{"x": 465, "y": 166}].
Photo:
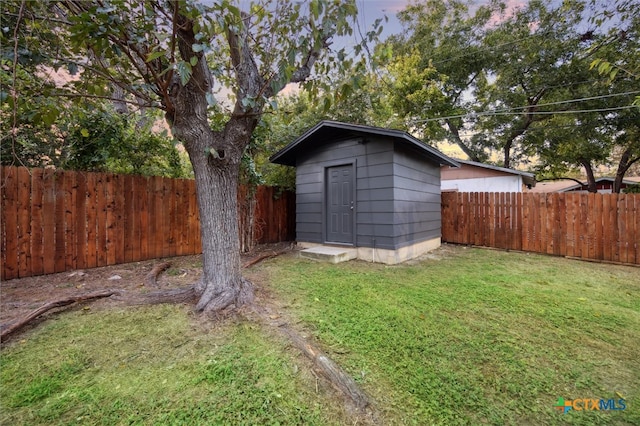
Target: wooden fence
[
  {"x": 54, "y": 221},
  {"x": 588, "y": 226}
]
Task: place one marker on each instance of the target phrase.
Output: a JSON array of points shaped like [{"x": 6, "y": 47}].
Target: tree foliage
[{"x": 543, "y": 82}]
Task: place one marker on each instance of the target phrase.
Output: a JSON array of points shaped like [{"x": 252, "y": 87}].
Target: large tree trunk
[{"x": 222, "y": 284}]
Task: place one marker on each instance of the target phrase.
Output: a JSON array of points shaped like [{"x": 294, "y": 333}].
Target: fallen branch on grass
[
  {"x": 19, "y": 324},
  {"x": 264, "y": 257},
  {"x": 356, "y": 401}
]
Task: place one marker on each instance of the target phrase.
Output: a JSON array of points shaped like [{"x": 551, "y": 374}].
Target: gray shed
[{"x": 371, "y": 189}]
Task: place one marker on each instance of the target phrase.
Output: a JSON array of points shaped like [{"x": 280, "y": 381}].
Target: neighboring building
[
  {"x": 374, "y": 189},
  {"x": 604, "y": 185},
  {"x": 479, "y": 177}
]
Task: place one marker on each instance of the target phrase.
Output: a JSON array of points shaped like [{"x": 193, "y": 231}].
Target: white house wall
[{"x": 486, "y": 184}]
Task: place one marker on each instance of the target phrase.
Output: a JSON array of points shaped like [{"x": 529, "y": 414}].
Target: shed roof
[{"x": 328, "y": 131}]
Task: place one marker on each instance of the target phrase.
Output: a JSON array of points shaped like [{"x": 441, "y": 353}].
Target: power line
[
  {"x": 505, "y": 111},
  {"x": 561, "y": 112},
  {"x": 590, "y": 98}
]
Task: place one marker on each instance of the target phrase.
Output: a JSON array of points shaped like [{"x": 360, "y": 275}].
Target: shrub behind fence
[{"x": 54, "y": 221}]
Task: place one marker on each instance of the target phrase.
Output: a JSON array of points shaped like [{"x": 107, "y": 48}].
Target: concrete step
[{"x": 329, "y": 254}]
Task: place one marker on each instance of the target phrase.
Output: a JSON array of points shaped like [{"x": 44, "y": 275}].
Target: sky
[{"x": 370, "y": 10}]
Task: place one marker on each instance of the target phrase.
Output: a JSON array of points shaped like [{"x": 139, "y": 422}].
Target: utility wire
[
  {"x": 498, "y": 112},
  {"x": 590, "y": 98}
]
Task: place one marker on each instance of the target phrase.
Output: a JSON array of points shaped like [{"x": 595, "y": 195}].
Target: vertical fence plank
[
  {"x": 59, "y": 217},
  {"x": 173, "y": 216},
  {"x": 185, "y": 219},
  {"x": 497, "y": 220},
  {"x": 3, "y": 223},
  {"x": 194, "y": 221},
  {"x": 483, "y": 219},
  {"x": 92, "y": 219},
  {"x": 555, "y": 224},
  {"x": 622, "y": 236},
  {"x": 37, "y": 245},
  {"x": 598, "y": 228},
  {"x": 158, "y": 229},
  {"x": 101, "y": 219},
  {"x": 607, "y": 221},
  {"x": 177, "y": 217},
  {"x": 526, "y": 222},
  {"x": 110, "y": 202},
  {"x": 49, "y": 221},
  {"x": 81, "y": 230},
  {"x": 118, "y": 219},
  {"x": 143, "y": 190},
  {"x": 518, "y": 236},
  {"x": 590, "y": 221},
  {"x": 151, "y": 203},
  {"x": 69, "y": 182},
  {"x": 445, "y": 215},
  {"x": 635, "y": 217},
  {"x": 129, "y": 217},
  {"x": 24, "y": 222},
  {"x": 570, "y": 215},
  {"x": 584, "y": 225},
  {"x": 475, "y": 221},
  {"x": 10, "y": 222}
]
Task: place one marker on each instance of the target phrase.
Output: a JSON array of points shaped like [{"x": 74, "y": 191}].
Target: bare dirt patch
[{"x": 20, "y": 296}]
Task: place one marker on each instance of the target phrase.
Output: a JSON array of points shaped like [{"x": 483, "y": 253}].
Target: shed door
[{"x": 340, "y": 199}]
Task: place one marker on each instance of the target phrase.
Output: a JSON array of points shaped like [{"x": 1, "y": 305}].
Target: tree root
[
  {"x": 9, "y": 329},
  {"x": 265, "y": 256},
  {"x": 151, "y": 279},
  {"x": 357, "y": 402},
  {"x": 226, "y": 299}
]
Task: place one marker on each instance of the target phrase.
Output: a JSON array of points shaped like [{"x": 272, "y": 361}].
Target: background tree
[
  {"x": 175, "y": 55},
  {"x": 436, "y": 65},
  {"x": 521, "y": 83}
]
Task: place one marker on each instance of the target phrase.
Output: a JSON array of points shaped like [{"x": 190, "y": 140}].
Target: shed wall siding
[
  {"x": 397, "y": 193},
  {"x": 416, "y": 198},
  {"x": 374, "y": 186}
]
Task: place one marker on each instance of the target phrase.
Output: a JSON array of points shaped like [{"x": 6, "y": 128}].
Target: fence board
[
  {"x": 36, "y": 246},
  {"x": 80, "y": 226},
  {"x": 91, "y": 212},
  {"x": 10, "y": 222},
  {"x": 129, "y": 225},
  {"x": 60, "y": 252},
  {"x": 24, "y": 222},
  {"x": 48, "y": 221},
  {"x": 622, "y": 228},
  {"x": 635, "y": 218},
  {"x": 68, "y": 180}
]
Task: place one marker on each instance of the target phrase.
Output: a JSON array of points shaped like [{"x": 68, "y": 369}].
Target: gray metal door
[{"x": 340, "y": 199}]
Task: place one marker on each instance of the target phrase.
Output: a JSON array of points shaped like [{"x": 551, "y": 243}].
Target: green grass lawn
[
  {"x": 154, "y": 366},
  {"x": 477, "y": 337}
]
